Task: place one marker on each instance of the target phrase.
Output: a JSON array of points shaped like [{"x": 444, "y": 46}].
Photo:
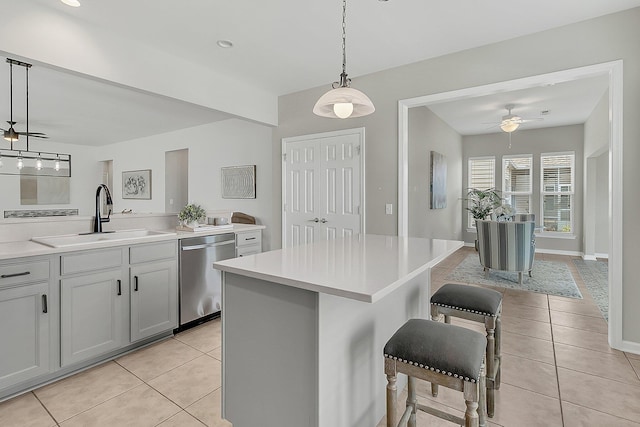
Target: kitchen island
[{"x": 304, "y": 327}]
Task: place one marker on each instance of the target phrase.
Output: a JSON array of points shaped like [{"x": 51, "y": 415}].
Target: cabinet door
[
  {"x": 154, "y": 298},
  {"x": 24, "y": 335},
  {"x": 92, "y": 316}
]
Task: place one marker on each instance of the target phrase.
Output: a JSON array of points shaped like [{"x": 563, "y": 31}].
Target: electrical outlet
[
  {"x": 388, "y": 209},
  {"x": 170, "y": 201}
]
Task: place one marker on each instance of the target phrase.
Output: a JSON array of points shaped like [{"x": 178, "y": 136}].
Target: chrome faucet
[{"x": 97, "y": 226}]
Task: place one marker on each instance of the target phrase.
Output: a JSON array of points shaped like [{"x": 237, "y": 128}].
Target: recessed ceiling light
[
  {"x": 225, "y": 44},
  {"x": 72, "y": 3}
]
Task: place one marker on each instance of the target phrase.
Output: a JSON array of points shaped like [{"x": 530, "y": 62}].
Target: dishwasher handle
[{"x": 209, "y": 245}]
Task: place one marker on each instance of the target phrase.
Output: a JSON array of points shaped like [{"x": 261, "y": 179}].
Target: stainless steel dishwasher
[{"x": 200, "y": 283}]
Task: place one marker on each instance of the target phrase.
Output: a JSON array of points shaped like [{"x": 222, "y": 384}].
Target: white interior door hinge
[
  {"x": 284, "y": 157},
  {"x": 358, "y": 150}
]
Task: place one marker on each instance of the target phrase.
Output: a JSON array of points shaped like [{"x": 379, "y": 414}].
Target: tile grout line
[
  {"x": 555, "y": 362},
  {"x": 45, "y": 408}
]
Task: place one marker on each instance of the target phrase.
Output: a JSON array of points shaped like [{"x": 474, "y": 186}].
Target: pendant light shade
[{"x": 343, "y": 101}]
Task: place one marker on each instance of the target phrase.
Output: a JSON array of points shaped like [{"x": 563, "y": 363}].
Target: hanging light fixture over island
[{"x": 343, "y": 101}]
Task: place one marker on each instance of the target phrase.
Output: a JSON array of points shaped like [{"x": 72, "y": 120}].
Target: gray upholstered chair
[{"x": 506, "y": 246}]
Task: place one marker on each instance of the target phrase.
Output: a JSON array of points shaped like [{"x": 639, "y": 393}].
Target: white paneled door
[{"x": 323, "y": 186}]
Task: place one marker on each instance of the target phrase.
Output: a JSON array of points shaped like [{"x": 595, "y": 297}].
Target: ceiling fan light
[
  {"x": 509, "y": 126},
  {"x": 326, "y": 105},
  {"x": 72, "y": 3},
  {"x": 11, "y": 135}
]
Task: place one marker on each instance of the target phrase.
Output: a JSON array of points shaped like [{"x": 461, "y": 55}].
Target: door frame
[
  {"x": 613, "y": 70},
  {"x": 303, "y": 138}
]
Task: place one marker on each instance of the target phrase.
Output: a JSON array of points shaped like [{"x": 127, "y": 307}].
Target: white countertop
[
  {"x": 28, "y": 248},
  {"x": 364, "y": 268}
]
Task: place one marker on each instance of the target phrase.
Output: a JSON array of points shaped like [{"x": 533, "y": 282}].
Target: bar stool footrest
[{"x": 441, "y": 414}]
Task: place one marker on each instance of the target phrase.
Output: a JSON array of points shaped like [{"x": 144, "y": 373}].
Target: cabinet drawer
[
  {"x": 249, "y": 238},
  {"x": 23, "y": 272},
  {"x": 153, "y": 252},
  {"x": 248, "y": 250},
  {"x": 91, "y": 261}
]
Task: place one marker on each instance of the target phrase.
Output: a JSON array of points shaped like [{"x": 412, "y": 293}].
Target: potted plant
[
  {"x": 191, "y": 214},
  {"x": 481, "y": 203}
]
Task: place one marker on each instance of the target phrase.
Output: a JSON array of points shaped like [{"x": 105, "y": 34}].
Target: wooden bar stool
[
  {"x": 480, "y": 305},
  {"x": 448, "y": 355}
]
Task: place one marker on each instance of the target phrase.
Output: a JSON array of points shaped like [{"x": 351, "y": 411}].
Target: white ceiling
[
  {"x": 567, "y": 103},
  {"x": 280, "y": 45}
]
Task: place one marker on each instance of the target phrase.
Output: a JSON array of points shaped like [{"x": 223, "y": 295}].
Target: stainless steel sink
[{"x": 70, "y": 240}]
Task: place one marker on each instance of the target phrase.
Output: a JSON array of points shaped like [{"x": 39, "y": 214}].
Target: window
[
  {"x": 517, "y": 182},
  {"x": 482, "y": 175},
  {"x": 556, "y": 191}
]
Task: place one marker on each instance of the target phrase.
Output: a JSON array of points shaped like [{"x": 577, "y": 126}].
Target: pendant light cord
[{"x": 344, "y": 81}]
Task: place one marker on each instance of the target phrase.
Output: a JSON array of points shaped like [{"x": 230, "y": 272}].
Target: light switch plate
[{"x": 388, "y": 209}]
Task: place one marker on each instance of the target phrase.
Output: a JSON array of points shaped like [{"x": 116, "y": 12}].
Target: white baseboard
[
  {"x": 558, "y": 252},
  {"x": 605, "y": 256},
  {"x": 589, "y": 257},
  {"x": 471, "y": 245},
  {"x": 630, "y": 347}
]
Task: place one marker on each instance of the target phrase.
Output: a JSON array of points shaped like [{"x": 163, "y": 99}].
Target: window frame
[
  {"x": 506, "y": 193},
  {"x": 471, "y": 224},
  {"x": 544, "y": 192}
]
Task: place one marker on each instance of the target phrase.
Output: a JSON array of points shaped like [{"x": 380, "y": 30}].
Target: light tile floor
[{"x": 558, "y": 370}]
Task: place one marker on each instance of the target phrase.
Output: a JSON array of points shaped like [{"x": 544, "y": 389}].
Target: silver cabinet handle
[
  {"x": 323, "y": 220},
  {"x": 315, "y": 220}
]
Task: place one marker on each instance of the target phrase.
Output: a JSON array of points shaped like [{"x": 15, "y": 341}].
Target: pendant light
[
  {"x": 29, "y": 162},
  {"x": 343, "y": 101}
]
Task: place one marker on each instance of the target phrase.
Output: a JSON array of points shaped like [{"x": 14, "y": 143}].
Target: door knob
[
  {"x": 323, "y": 220},
  {"x": 315, "y": 220}
]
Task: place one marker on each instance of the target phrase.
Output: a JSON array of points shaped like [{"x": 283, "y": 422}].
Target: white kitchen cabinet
[
  {"x": 248, "y": 242},
  {"x": 94, "y": 315},
  {"x": 154, "y": 298},
  {"x": 24, "y": 336}
]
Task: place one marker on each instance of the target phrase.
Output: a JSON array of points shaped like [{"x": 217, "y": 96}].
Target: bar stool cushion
[
  {"x": 439, "y": 347},
  {"x": 468, "y": 298}
]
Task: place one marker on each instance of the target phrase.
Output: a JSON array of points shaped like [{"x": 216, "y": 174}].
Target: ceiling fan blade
[
  {"x": 31, "y": 133},
  {"x": 38, "y": 136},
  {"x": 537, "y": 119}
]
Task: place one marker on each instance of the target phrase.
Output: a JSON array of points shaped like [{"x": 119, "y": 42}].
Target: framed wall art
[
  {"x": 239, "y": 182},
  {"x": 438, "y": 180},
  {"x": 136, "y": 184}
]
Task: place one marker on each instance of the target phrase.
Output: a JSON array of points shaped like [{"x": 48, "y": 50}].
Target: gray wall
[
  {"x": 608, "y": 38},
  {"x": 428, "y": 132},
  {"x": 602, "y": 221},
  {"x": 534, "y": 142}
]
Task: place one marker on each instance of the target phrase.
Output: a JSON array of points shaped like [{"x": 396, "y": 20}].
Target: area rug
[
  {"x": 595, "y": 275},
  {"x": 553, "y": 278}
]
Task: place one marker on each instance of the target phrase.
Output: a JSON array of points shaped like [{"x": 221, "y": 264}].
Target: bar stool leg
[
  {"x": 482, "y": 389},
  {"x": 411, "y": 401},
  {"x": 498, "y": 350},
  {"x": 489, "y": 323},
  {"x": 435, "y": 316},
  {"x": 392, "y": 391},
  {"x": 471, "y": 391}
]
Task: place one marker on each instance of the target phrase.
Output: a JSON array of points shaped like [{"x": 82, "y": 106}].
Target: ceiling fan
[
  {"x": 11, "y": 134},
  {"x": 511, "y": 122}
]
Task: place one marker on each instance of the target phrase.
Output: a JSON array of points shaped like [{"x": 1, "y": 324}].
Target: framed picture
[
  {"x": 239, "y": 182},
  {"x": 438, "y": 180},
  {"x": 136, "y": 184}
]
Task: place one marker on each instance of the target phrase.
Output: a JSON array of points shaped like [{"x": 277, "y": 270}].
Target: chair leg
[
  {"x": 435, "y": 316},
  {"x": 411, "y": 401},
  {"x": 447, "y": 319},
  {"x": 482, "y": 398},
  {"x": 530, "y": 275},
  {"x": 392, "y": 391},
  {"x": 490, "y": 324},
  {"x": 498, "y": 351},
  {"x": 520, "y": 277},
  {"x": 471, "y": 391}
]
